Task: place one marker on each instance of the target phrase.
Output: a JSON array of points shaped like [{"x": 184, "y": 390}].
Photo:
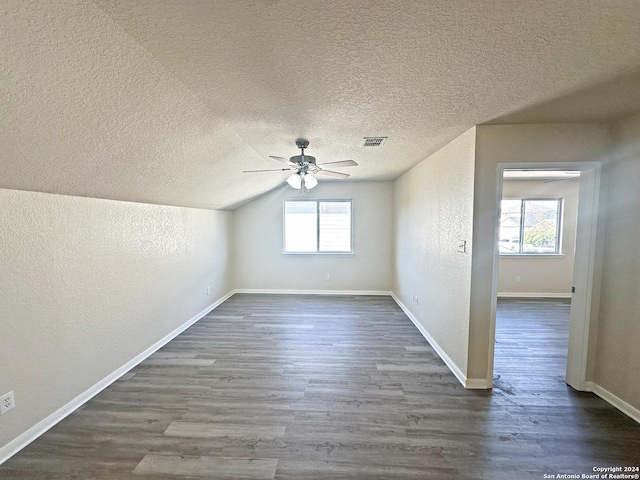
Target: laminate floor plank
[
  {"x": 213, "y": 430},
  {"x": 336, "y": 387},
  {"x": 209, "y": 467}
]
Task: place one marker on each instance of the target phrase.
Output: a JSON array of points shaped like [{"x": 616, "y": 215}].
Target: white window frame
[
  {"x": 317, "y": 202},
  {"x": 558, "y": 246}
]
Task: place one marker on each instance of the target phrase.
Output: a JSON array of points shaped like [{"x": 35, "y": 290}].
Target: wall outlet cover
[{"x": 7, "y": 402}]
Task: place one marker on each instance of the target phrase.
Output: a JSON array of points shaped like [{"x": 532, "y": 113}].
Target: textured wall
[
  {"x": 542, "y": 274},
  {"x": 260, "y": 264},
  {"x": 433, "y": 209},
  {"x": 617, "y": 367},
  {"x": 88, "y": 284}
]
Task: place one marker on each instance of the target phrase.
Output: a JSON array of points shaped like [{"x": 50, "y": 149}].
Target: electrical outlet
[
  {"x": 208, "y": 290},
  {"x": 327, "y": 277},
  {"x": 416, "y": 300},
  {"x": 7, "y": 402},
  {"x": 517, "y": 279}
]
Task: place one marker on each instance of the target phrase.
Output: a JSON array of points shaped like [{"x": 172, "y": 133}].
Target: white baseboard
[
  {"x": 617, "y": 402},
  {"x": 533, "y": 295},
  {"x": 471, "y": 383},
  {"x": 17, "y": 444},
  {"x": 276, "y": 291}
]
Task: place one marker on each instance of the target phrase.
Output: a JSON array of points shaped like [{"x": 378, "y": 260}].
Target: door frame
[{"x": 584, "y": 302}]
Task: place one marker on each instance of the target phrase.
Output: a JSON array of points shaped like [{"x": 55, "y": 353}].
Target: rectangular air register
[{"x": 373, "y": 141}]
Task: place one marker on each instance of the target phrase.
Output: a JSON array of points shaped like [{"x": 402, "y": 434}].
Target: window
[
  {"x": 317, "y": 226},
  {"x": 530, "y": 226}
]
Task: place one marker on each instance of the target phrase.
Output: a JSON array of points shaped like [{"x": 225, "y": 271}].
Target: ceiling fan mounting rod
[{"x": 301, "y": 143}]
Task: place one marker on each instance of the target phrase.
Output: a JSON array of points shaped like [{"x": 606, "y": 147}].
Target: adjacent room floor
[{"x": 304, "y": 387}]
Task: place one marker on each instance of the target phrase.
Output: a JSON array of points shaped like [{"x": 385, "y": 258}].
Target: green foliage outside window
[{"x": 541, "y": 235}]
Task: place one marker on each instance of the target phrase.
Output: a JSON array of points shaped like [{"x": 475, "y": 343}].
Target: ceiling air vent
[{"x": 373, "y": 141}]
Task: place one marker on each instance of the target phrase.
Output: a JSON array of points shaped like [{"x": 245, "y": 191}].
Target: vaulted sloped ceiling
[{"x": 169, "y": 101}]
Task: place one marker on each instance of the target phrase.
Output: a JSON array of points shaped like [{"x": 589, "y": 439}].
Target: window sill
[
  {"x": 330, "y": 254},
  {"x": 532, "y": 255}
]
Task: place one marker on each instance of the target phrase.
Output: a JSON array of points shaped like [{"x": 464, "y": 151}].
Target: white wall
[
  {"x": 528, "y": 144},
  {"x": 617, "y": 366},
  {"x": 543, "y": 275},
  {"x": 260, "y": 263},
  {"x": 433, "y": 209},
  {"x": 86, "y": 285}
]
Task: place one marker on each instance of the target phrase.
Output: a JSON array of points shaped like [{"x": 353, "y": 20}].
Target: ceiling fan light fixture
[
  {"x": 295, "y": 181},
  {"x": 310, "y": 181}
]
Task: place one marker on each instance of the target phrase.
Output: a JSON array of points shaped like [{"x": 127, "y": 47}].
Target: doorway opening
[
  {"x": 538, "y": 216},
  {"x": 544, "y": 263}
]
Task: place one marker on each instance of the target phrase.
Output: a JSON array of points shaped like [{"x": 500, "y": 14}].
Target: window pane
[
  {"x": 540, "y": 226},
  {"x": 300, "y": 227},
  {"x": 335, "y": 226},
  {"x": 510, "y": 215}
]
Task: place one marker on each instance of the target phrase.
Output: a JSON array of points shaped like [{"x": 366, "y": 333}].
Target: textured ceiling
[
  {"x": 603, "y": 102},
  {"x": 168, "y": 101}
]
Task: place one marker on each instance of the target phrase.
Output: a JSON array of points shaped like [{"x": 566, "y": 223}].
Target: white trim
[
  {"x": 586, "y": 286},
  {"x": 326, "y": 254},
  {"x": 472, "y": 383},
  {"x": 610, "y": 398},
  {"x": 531, "y": 255},
  {"x": 478, "y": 384},
  {"x": 18, "y": 443},
  {"x": 533, "y": 295},
  {"x": 276, "y": 291}
]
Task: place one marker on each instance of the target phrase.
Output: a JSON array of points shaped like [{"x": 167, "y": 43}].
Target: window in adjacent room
[
  {"x": 530, "y": 226},
  {"x": 317, "y": 226}
]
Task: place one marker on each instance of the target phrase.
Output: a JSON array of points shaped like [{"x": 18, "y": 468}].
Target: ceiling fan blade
[
  {"x": 329, "y": 173},
  {"x": 272, "y": 170},
  {"x": 281, "y": 159},
  {"x": 341, "y": 163}
]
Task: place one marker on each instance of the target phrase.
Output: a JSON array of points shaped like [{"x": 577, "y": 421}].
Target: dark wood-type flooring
[{"x": 329, "y": 387}]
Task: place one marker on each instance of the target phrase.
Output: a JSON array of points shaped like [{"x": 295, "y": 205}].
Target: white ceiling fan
[{"x": 304, "y": 168}]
